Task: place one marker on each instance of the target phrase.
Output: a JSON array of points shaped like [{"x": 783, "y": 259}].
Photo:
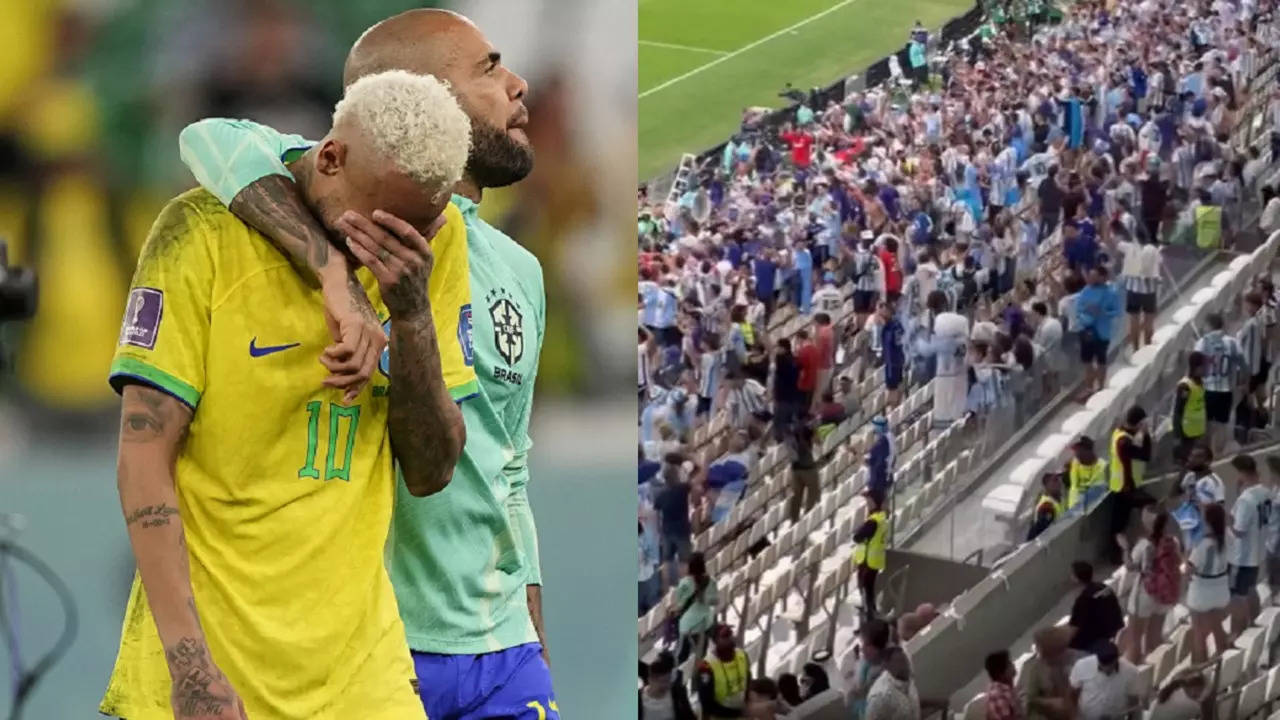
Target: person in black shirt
[
  {"x": 672, "y": 504},
  {"x": 1096, "y": 614},
  {"x": 788, "y": 399},
  {"x": 804, "y": 470},
  {"x": 1155, "y": 196},
  {"x": 1050, "y": 194}
]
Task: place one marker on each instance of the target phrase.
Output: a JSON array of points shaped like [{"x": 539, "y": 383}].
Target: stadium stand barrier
[{"x": 1029, "y": 582}]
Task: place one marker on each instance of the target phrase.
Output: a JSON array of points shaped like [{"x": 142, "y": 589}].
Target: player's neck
[{"x": 468, "y": 188}]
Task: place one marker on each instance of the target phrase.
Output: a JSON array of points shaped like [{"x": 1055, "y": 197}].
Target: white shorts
[
  {"x": 1142, "y": 605},
  {"x": 1205, "y": 594}
]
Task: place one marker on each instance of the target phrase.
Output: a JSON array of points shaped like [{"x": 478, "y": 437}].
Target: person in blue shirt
[
  {"x": 765, "y": 269},
  {"x": 880, "y": 461},
  {"x": 803, "y": 262},
  {"x": 1097, "y": 307},
  {"x": 893, "y": 347},
  {"x": 1080, "y": 241}
]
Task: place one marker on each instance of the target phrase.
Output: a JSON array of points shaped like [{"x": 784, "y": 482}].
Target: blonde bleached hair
[{"x": 412, "y": 120}]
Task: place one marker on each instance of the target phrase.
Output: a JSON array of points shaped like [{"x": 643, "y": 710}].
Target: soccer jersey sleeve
[
  {"x": 165, "y": 332},
  {"x": 226, "y": 156},
  {"x": 449, "y": 289}
]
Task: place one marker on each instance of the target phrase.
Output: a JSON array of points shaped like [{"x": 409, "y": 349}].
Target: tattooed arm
[
  {"x": 273, "y": 206},
  {"x": 427, "y": 431},
  {"x": 153, "y": 427},
  {"x": 242, "y": 164}
]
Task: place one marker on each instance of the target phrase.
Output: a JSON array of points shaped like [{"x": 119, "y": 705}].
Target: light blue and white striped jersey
[
  {"x": 1003, "y": 176},
  {"x": 867, "y": 265},
  {"x": 1184, "y": 166},
  {"x": 660, "y": 305},
  {"x": 1250, "y": 339},
  {"x": 1225, "y": 360},
  {"x": 709, "y": 366}
]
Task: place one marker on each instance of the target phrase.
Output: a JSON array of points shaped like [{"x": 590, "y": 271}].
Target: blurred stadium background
[
  {"x": 92, "y": 96},
  {"x": 702, "y": 63}
]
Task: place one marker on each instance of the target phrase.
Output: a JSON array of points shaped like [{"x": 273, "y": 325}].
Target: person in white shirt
[
  {"x": 1200, "y": 482},
  {"x": 1270, "y": 221},
  {"x": 1048, "y": 340},
  {"x": 1224, "y": 364},
  {"x": 1103, "y": 685},
  {"x": 828, "y": 298},
  {"x": 1250, "y": 527},
  {"x": 1140, "y": 277},
  {"x": 1209, "y": 593},
  {"x": 893, "y": 695}
]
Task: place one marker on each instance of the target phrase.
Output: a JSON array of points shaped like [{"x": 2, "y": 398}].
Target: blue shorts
[{"x": 514, "y": 684}]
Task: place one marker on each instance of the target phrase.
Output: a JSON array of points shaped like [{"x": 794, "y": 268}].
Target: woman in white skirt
[
  {"x": 1155, "y": 563},
  {"x": 1207, "y": 594}
]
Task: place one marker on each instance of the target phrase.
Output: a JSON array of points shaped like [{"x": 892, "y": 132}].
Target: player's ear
[{"x": 331, "y": 157}]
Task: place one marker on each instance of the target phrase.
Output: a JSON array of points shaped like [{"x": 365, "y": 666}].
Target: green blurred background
[
  {"x": 92, "y": 96},
  {"x": 811, "y": 43}
]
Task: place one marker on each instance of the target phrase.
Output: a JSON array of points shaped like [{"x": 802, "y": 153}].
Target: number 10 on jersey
[{"x": 343, "y": 422}]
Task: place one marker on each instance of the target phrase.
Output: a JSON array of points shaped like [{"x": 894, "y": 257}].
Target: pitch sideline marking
[{"x": 743, "y": 49}]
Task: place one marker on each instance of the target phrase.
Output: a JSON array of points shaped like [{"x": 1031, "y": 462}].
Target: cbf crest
[{"x": 508, "y": 325}]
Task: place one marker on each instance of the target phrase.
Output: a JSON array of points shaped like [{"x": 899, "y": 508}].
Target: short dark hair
[
  {"x": 1135, "y": 415},
  {"x": 1245, "y": 463},
  {"x": 997, "y": 664},
  {"x": 664, "y": 663},
  {"x": 764, "y": 686},
  {"x": 1214, "y": 321},
  {"x": 877, "y": 633},
  {"x": 1107, "y": 652},
  {"x": 1082, "y": 570},
  {"x": 1039, "y": 308}
]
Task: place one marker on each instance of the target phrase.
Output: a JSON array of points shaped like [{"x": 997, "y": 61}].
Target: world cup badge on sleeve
[{"x": 142, "y": 318}]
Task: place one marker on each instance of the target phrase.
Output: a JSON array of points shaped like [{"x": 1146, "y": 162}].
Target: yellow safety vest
[
  {"x": 1053, "y": 504},
  {"x": 748, "y": 333},
  {"x": 871, "y": 553},
  {"x": 1081, "y": 477},
  {"x": 1117, "y": 468},
  {"x": 1194, "y": 418},
  {"x": 1208, "y": 226},
  {"x": 730, "y": 679}
]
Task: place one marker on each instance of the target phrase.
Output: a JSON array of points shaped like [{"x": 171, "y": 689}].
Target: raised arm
[
  {"x": 153, "y": 427},
  {"x": 242, "y": 163}
]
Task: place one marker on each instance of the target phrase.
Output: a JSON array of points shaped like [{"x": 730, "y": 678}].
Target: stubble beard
[{"x": 496, "y": 159}]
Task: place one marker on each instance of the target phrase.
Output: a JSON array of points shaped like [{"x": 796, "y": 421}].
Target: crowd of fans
[{"x": 980, "y": 222}]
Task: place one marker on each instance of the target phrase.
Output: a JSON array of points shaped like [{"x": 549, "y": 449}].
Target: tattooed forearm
[
  {"x": 273, "y": 206},
  {"x": 426, "y": 427},
  {"x": 151, "y": 515},
  {"x": 199, "y": 688},
  {"x": 359, "y": 301}
]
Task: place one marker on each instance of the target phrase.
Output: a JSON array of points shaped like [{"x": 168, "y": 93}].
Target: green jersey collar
[{"x": 465, "y": 205}]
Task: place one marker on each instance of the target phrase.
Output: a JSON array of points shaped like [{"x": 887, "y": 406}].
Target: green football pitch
[{"x": 703, "y": 61}]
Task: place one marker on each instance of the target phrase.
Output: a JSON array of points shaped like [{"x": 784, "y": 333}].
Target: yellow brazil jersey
[{"x": 285, "y": 492}]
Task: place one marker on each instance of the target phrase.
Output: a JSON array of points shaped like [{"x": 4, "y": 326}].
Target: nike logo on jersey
[{"x": 255, "y": 351}]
